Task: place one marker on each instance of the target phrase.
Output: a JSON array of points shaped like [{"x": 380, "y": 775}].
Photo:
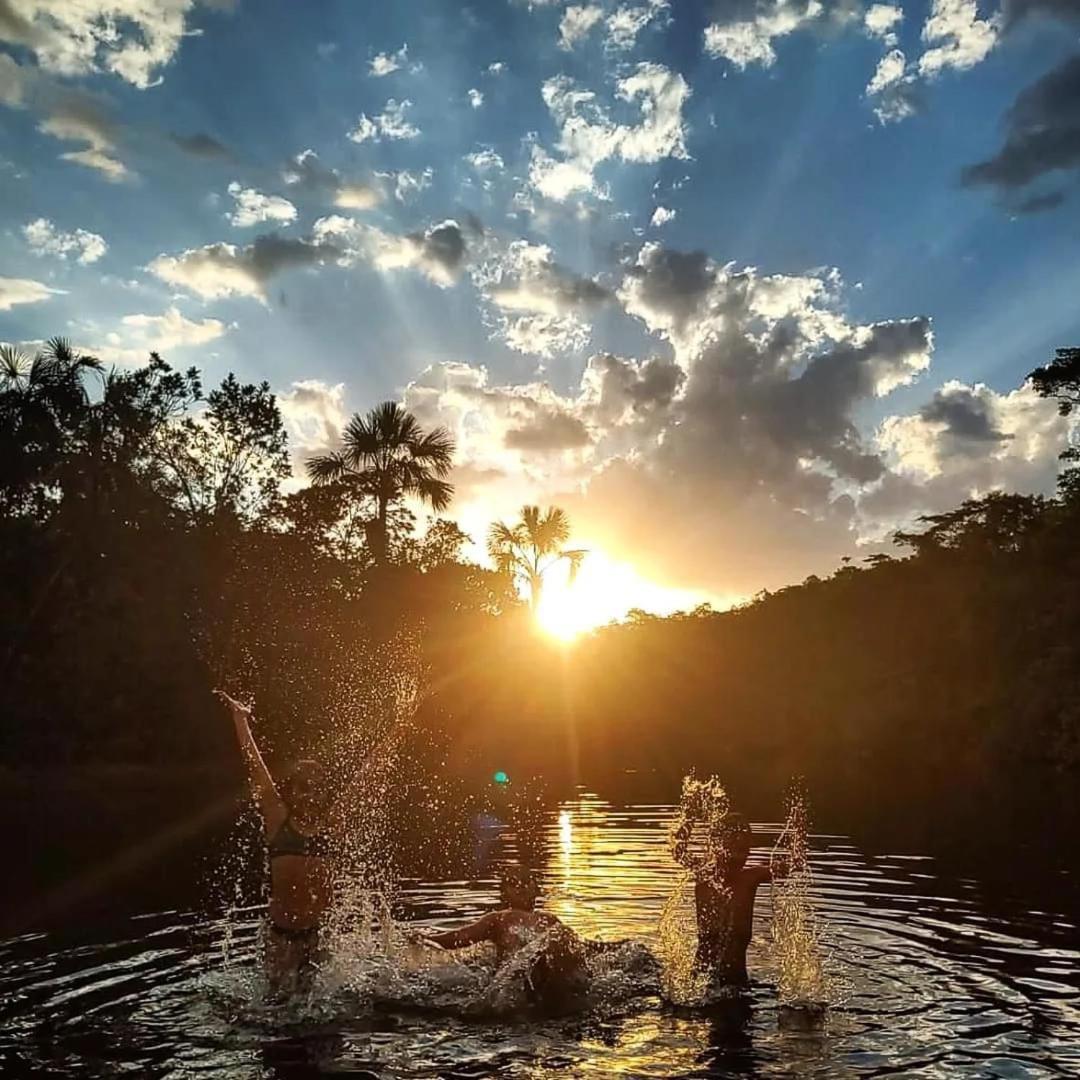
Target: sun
[{"x": 603, "y": 592}]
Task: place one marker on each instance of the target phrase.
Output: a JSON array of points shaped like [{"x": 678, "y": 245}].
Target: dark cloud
[
  {"x": 676, "y": 282},
  {"x": 442, "y": 245},
  {"x": 644, "y": 388},
  {"x": 1042, "y": 132},
  {"x": 271, "y": 253},
  {"x": 966, "y": 416},
  {"x": 1038, "y": 203},
  {"x": 201, "y": 145},
  {"x": 548, "y": 432},
  {"x": 15, "y": 28}
]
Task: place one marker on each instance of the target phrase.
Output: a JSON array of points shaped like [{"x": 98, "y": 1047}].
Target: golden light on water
[{"x": 603, "y": 592}]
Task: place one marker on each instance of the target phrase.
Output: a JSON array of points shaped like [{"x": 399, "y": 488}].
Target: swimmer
[
  {"x": 301, "y": 881},
  {"x": 557, "y": 978}
]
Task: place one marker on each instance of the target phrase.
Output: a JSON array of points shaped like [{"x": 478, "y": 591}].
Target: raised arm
[
  {"x": 262, "y": 783},
  {"x": 481, "y": 930}
]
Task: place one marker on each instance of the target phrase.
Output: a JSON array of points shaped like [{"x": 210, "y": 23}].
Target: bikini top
[{"x": 287, "y": 841}]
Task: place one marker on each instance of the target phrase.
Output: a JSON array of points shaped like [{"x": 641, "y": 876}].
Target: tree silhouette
[
  {"x": 386, "y": 456},
  {"x": 1060, "y": 380},
  {"x": 529, "y": 548}
]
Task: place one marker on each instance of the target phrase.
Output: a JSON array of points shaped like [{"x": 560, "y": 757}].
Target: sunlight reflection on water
[{"x": 938, "y": 985}]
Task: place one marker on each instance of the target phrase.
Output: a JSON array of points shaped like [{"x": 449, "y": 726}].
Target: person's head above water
[
  {"x": 518, "y": 888},
  {"x": 730, "y": 840},
  {"x": 305, "y": 789}
]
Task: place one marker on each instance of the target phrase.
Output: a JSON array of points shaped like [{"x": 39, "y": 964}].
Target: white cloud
[
  {"x": 956, "y": 37},
  {"x": 476, "y": 98},
  {"x": 139, "y": 335},
  {"x": 893, "y": 89},
  {"x": 589, "y": 137},
  {"x": 389, "y": 124},
  {"x": 485, "y": 160},
  {"x": 438, "y": 252},
  {"x": 407, "y": 185},
  {"x": 749, "y": 41},
  {"x": 624, "y": 25},
  {"x": 661, "y": 216},
  {"x": 386, "y": 63},
  {"x": 253, "y": 207},
  {"x": 22, "y": 291},
  {"x": 43, "y": 238},
  {"x": 220, "y": 270},
  {"x": 306, "y": 172},
  {"x": 314, "y": 414},
  {"x": 576, "y": 22},
  {"x": 882, "y": 20},
  {"x": 77, "y": 119},
  {"x": 131, "y": 38},
  {"x": 497, "y": 68}
]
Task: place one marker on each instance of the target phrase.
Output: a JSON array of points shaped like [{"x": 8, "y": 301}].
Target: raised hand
[{"x": 236, "y": 706}]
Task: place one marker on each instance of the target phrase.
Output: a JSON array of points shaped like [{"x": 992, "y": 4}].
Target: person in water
[
  {"x": 301, "y": 881},
  {"x": 725, "y": 889},
  {"x": 557, "y": 977}
]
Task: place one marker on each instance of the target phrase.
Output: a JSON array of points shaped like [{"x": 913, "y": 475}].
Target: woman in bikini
[{"x": 301, "y": 878}]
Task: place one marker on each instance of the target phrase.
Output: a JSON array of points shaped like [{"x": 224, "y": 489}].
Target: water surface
[{"x": 933, "y": 976}]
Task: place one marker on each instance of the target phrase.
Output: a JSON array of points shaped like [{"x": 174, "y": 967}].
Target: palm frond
[
  {"x": 326, "y": 468},
  {"x": 438, "y": 494},
  {"x": 436, "y": 450}
]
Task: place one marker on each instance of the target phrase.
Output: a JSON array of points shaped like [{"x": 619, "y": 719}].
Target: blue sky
[{"x": 475, "y": 229}]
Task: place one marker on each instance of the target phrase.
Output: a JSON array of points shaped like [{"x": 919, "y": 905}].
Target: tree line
[{"x": 151, "y": 548}]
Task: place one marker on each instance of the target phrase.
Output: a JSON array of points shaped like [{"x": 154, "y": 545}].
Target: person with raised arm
[{"x": 295, "y": 819}]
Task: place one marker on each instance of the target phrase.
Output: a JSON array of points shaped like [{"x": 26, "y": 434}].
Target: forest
[{"x": 152, "y": 548}]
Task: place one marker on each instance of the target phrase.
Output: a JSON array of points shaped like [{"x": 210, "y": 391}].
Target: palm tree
[
  {"x": 532, "y": 546},
  {"x": 386, "y": 456}
]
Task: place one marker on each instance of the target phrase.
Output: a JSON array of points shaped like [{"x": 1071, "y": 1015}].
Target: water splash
[{"x": 796, "y": 930}]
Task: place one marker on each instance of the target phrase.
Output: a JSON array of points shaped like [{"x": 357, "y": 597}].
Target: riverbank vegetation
[{"x": 151, "y": 548}]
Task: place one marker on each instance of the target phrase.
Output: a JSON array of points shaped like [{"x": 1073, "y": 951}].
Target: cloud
[
  {"x": 1016, "y": 11},
  {"x": 314, "y": 415},
  {"x": 497, "y": 68},
  {"x": 661, "y": 216},
  {"x": 1042, "y": 134},
  {"x": 253, "y": 207},
  {"x": 139, "y": 335},
  {"x": 967, "y": 441},
  {"x": 894, "y": 90},
  {"x": 407, "y": 185},
  {"x": 882, "y": 20},
  {"x": 133, "y": 39},
  {"x": 627, "y": 21},
  {"x": 221, "y": 270},
  {"x": 747, "y": 36},
  {"x": 22, "y": 291},
  {"x": 386, "y": 63},
  {"x": 588, "y": 137},
  {"x": 12, "y": 82},
  {"x": 306, "y": 172},
  {"x": 389, "y": 124},
  {"x": 76, "y": 117},
  {"x": 576, "y": 22},
  {"x": 43, "y": 238},
  {"x": 438, "y": 252},
  {"x": 538, "y": 303},
  {"x": 202, "y": 145},
  {"x": 956, "y": 37},
  {"x": 546, "y": 433},
  {"x": 485, "y": 160}
]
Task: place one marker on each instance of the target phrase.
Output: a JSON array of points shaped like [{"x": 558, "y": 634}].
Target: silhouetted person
[
  {"x": 725, "y": 889},
  {"x": 557, "y": 978},
  {"x": 301, "y": 880}
]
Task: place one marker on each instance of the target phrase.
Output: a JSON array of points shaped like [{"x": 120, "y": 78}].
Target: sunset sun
[{"x": 603, "y": 591}]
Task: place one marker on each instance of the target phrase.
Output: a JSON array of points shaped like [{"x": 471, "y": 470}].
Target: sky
[{"x": 744, "y": 285}]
